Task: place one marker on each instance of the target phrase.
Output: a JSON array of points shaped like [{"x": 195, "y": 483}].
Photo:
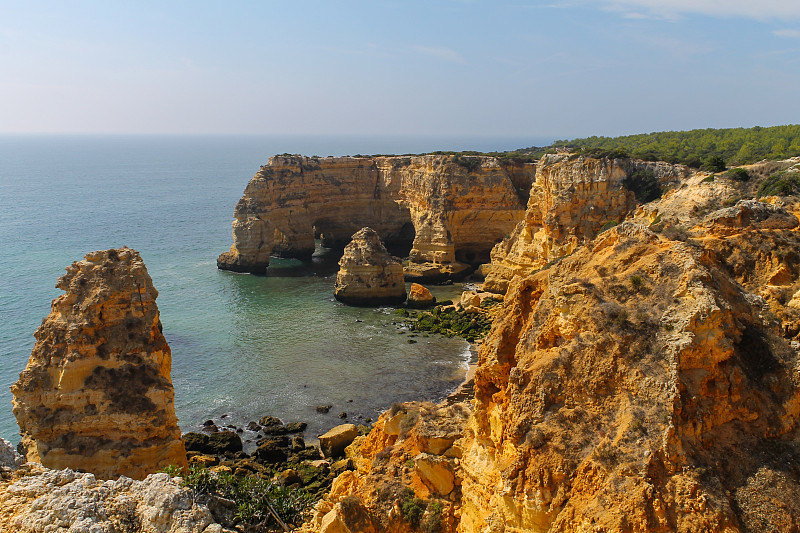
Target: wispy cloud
[
  {"x": 635, "y": 15},
  {"x": 763, "y": 9},
  {"x": 792, "y": 34},
  {"x": 441, "y": 52}
]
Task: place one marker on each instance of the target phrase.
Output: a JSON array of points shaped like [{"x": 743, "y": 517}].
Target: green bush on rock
[
  {"x": 254, "y": 499},
  {"x": 780, "y": 184}
]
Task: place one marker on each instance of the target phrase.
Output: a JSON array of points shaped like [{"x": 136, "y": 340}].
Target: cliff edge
[{"x": 449, "y": 210}]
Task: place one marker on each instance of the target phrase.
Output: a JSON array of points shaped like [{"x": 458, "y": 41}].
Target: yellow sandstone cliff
[
  {"x": 647, "y": 381},
  {"x": 96, "y": 394},
  {"x": 449, "y": 210},
  {"x": 571, "y": 200}
]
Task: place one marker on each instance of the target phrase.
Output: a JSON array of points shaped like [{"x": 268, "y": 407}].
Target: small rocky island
[{"x": 368, "y": 275}]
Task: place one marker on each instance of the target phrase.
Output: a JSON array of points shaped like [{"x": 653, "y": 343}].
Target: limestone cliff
[
  {"x": 406, "y": 473},
  {"x": 368, "y": 275},
  {"x": 449, "y": 210},
  {"x": 96, "y": 394},
  {"x": 647, "y": 381},
  {"x": 571, "y": 199}
]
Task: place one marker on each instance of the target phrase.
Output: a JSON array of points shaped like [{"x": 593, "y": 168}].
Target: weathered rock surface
[
  {"x": 571, "y": 199},
  {"x": 633, "y": 386},
  {"x": 645, "y": 382},
  {"x": 96, "y": 394},
  {"x": 406, "y": 467},
  {"x": 36, "y": 499},
  {"x": 9, "y": 458},
  {"x": 451, "y": 211},
  {"x": 337, "y": 439},
  {"x": 419, "y": 297},
  {"x": 368, "y": 275}
]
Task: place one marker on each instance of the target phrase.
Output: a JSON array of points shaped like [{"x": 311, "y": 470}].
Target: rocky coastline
[{"x": 637, "y": 371}]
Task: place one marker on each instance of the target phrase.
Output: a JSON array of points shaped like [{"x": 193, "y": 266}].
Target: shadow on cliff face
[{"x": 324, "y": 263}]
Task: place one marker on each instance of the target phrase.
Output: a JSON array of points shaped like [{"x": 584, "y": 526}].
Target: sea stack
[
  {"x": 96, "y": 394},
  {"x": 368, "y": 275}
]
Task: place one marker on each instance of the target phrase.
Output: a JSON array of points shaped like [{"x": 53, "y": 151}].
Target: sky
[{"x": 377, "y": 67}]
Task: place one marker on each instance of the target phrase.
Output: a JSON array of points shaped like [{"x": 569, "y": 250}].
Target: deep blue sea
[{"x": 243, "y": 346}]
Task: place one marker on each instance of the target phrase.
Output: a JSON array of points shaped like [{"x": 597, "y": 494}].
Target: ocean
[{"x": 243, "y": 346}]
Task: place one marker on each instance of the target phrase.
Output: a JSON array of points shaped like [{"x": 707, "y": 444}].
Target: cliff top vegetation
[
  {"x": 695, "y": 148},
  {"x": 708, "y": 149}
]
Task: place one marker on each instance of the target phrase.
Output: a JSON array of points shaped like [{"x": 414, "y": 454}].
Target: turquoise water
[{"x": 243, "y": 346}]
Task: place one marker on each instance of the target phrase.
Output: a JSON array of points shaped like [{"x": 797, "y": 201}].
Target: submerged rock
[
  {"x": 96, "y": 394},
  {"x": 368, "y": 275}
]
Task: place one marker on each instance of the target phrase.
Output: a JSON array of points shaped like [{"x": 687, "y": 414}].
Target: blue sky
[{"x": 510, "y": 68}]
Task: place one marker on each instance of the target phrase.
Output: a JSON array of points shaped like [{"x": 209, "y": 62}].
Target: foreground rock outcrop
[
  {"x": 450, "y": 210},
  {"x": 634, "y": 387},
  {"x": 35, "y": 499},
  {"x": 96, "y": 394},
  {"x": 368, "y": 275},
  {"x": 406, "y": 473},
  {"x": 571, "y": 200}
]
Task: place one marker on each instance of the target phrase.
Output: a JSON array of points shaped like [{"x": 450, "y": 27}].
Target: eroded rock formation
[
  {"x": 634, "y": 386},
  {"x": 368, "y": 275},
  {"x": 37, "y": 499},
  {"x": 96, "y": 394},
  {"x": 451, "y": 211},
  {"x": 571, "y": 200},
  {"x": 648, "y": 381},
  {"x": 406, "y": 473}
]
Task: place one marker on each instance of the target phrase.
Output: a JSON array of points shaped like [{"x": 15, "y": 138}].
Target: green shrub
[
  {"x": 644, "y": 185},
  {"x": 253, "y": 497},
  {"x": 172, "y": 470},
  {"x": 470, "y": 163},
  {"x": 608, "y": 225},
  {"x": 708, "y": 179},
  {"x": 780, "y": 184},
  {"x": 713, "y": 164},
  {"x": 413, "y": 508},
  {"x": 637, "y": 282},
  {"x": 433, "y": 518},
  {"x": 738, "y": 174}
]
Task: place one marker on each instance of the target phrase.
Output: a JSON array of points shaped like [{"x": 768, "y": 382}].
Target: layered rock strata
[
  {"x": 646, "y": 382},
  {"x": 634, "y": 386},
  {"x": 368, "y": 275},
  {"x": 571, "y": 200},
  {"x": 450, "y": 210},
  {"x": 96, "y": 394}
]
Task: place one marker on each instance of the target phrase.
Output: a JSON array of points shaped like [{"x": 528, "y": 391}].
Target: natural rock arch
[{"x": 432, "y": 203}]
